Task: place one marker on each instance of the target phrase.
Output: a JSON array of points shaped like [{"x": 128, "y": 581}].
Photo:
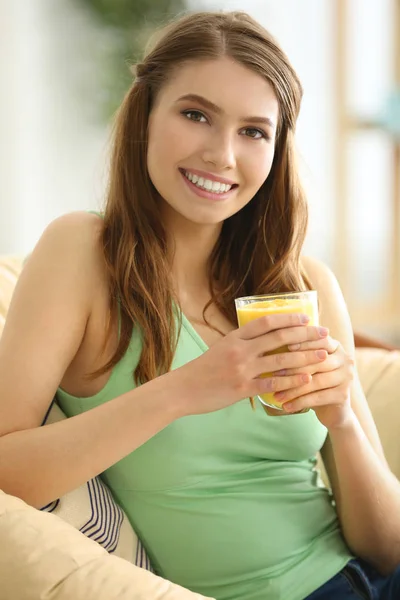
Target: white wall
[{"x": 51, "y": 152}]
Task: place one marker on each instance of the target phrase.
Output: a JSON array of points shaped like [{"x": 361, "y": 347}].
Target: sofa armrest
[{"x": 44, "y": 558}]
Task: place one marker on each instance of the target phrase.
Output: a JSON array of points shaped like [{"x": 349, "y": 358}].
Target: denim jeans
[{"x": 358, "y": 580}]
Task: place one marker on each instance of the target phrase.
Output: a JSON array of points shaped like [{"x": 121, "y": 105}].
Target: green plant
[{"x": 126, "y": 25}]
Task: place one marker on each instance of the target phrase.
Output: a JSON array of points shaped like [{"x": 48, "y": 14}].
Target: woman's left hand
[{"x": 328, "y": 392}]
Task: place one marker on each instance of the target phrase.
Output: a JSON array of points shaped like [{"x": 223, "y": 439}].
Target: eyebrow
[{"x": 218, "y": 110}]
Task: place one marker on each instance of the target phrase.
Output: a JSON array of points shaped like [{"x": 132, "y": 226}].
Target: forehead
[{"x": 233, "y": 87}]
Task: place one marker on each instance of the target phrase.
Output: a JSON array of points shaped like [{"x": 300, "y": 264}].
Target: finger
[
  {"x": 318, "y": 382},
  {"x": 290, "y": 335},
  {"x": 267, "y": 323},
  {"x": 310, "y": 369},
  {"x": 276, "y": 384},
  {"x": 336, "y": 395},
  {"x": 332, "y": 362},
  {"x": 327, "y": 343},
  {"x": 289, "y": 360}
]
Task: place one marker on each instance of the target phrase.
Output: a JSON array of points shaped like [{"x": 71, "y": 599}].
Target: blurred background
[{"x": 64, "y": 69}]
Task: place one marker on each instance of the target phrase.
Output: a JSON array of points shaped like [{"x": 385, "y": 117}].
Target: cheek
[
  {"x": 159, "y": 142},
  {"x": 168, "y": 142},
  {"x": 258, "y": 166}
]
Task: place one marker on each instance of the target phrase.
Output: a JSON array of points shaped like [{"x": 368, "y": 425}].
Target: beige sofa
[{"x": 44, "y": 558}]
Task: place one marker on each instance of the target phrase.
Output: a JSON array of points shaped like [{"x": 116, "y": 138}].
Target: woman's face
[{"x": 211, "y": 139}]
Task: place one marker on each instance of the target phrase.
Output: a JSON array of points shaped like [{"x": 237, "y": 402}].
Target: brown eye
[
  {"x": 195, "y": 115},
  {"x": 256, "y": 134}
]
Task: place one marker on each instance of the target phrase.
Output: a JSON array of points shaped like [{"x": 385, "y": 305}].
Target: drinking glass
[{"x": 249, "y": 308}]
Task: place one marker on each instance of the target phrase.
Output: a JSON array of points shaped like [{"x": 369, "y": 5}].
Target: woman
[{"x": 130, "y": 320}]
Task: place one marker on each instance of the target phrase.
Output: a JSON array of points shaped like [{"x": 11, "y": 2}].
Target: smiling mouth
[{"x": 208, "y": 185}]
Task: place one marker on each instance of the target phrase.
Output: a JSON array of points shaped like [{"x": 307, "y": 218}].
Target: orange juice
[{"x": 255, "y": 307}]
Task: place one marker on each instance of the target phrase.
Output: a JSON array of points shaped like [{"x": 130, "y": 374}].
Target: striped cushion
[
  {"x": 105, "y": 519},
  {"x": 92, "y": 510}
]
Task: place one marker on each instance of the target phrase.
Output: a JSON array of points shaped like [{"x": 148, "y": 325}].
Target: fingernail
[
  {"x": 305, "y": 378},
  {"x": 288, "y": 407},
  {"x": 304, "y": 319},
  {"x": 323, "y": 331},
  {"x": 281, "y": 372},
  {"x": 279, "y": 395},
  {"x": 294, "y": 347},
  {"x": 321, "y": 354}
]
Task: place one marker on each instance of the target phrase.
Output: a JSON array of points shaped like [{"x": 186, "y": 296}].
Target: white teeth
[{"x": 214, "y": 186}]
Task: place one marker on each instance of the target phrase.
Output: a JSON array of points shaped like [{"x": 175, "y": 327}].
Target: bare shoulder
[
  {"x": 318, "y": 272},
  {"x": 71, "y": 243},
  {"x": 78, "y": 231},
  {"x": 48, "y": 316},
  {"x": 333, "y": 309}
]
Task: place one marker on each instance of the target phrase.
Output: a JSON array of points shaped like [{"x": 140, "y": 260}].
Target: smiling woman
[
  {"x": 128, "y": 317},
  {"x": 208, "y": 127}
]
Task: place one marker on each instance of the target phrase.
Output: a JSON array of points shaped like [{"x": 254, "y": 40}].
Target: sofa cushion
[
  {"x": 44, "y": 558},
  {"x": 379, "y": 372}
]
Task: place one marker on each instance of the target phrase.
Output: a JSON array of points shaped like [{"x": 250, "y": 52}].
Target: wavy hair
[{"x": 259, "y": 247}]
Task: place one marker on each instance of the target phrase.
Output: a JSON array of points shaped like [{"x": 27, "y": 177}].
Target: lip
[
  {"x": 210, "y": 176},
  {"x": 204, "y": 193}
]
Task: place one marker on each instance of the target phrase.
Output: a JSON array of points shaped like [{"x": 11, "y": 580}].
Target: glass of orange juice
[{"x": 249, "y": 308}]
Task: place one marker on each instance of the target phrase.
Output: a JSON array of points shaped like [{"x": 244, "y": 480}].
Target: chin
[{"x": 204, "y": 220}]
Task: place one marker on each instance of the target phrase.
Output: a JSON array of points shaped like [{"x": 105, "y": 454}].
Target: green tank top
[{"x": 228, "y": 504}]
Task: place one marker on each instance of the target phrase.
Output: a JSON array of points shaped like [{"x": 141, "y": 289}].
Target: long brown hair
[{"x": 258, "y": 250}]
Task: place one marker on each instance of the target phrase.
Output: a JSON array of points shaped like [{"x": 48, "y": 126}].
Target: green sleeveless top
[{"x": 228, "y": 504}]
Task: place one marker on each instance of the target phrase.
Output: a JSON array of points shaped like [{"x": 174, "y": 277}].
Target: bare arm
[
  {"x": 42, "y": 463},
  {"x": 366, "y": 493},
  {"x": 44, "y": 329},
  {"x": 367, "y": 496}
]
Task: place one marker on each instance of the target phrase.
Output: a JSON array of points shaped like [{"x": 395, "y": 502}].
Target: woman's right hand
[{"x": 230, "y": 370}]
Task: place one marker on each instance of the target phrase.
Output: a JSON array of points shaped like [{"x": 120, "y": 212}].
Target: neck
[{"x": 191, "y": 248}]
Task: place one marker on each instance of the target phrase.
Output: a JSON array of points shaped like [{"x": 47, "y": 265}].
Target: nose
[{"x": 220, "y": 151}]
